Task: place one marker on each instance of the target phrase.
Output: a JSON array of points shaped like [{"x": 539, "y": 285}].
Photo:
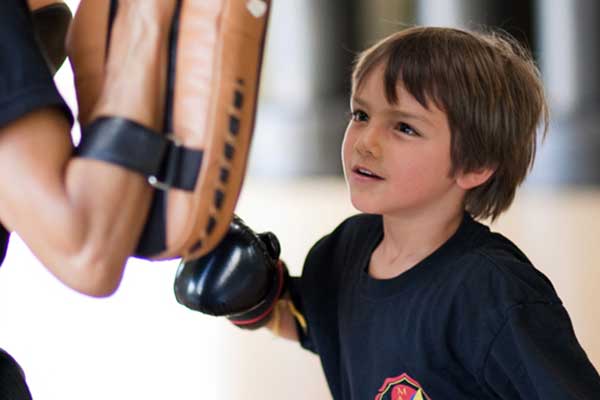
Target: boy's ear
[{"x": 472, "y": 179}]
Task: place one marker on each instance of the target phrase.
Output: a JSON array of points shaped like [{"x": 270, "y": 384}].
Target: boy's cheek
[{"x": 346, "y": 155}]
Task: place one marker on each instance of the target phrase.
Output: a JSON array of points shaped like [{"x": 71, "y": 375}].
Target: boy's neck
[{"x": 407, "y": 240}]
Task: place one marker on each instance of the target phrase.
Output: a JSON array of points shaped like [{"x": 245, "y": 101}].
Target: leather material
[
  {"x": 51, "y": 20},
  {"x": 242, "y": 278},
  {"x": 210, "y": 77}
]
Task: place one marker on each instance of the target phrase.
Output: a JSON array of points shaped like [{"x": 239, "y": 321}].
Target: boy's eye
[
  {"x": 406, "y": 129},
  {"x": 359, "y": 116}
]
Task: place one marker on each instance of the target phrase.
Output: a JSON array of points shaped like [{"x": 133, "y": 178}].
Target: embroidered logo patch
[{"x": 401, "y": 387}]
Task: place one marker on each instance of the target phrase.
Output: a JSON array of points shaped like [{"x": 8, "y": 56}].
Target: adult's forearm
[{"x": 82, "y": 218}]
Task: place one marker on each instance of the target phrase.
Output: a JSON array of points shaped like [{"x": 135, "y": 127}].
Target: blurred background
[{"x": 140, "y": 344}]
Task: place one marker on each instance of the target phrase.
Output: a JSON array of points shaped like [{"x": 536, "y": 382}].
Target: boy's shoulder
[
  {"x": 360, "y": 224},
  {"x": 351, "y": 238},
  {"x": 355, "y": 227},
  {"x": 495, "y": 269},
  {"x": 481, "y": 264}
]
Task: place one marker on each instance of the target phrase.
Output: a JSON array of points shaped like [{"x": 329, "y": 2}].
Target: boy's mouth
[{"x": 365, "y": 172}]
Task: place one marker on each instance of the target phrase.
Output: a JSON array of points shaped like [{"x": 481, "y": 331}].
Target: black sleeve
[
  {"x": 25, "y": 80},
  {"x": 298, "y": 301},
  {"x": 307, "y": 292},
  {"x": 315, "y": 293},
  {"x": 537, "y": 356}
]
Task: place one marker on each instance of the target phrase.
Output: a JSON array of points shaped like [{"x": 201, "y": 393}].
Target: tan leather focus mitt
[
  {"x": 194, "y": 141},
  {"x": 51, "y": 19}
]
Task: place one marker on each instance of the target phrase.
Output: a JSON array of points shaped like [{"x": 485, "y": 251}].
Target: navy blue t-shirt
[
  {"x": 473, "y": 320},
  {"x": 25, "y": 80}
]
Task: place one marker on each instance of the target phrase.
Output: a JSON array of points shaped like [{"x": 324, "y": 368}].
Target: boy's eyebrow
[{"x": 399, "y": 113}]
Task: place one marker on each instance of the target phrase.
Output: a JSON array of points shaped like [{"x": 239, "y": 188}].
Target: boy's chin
[{"x": 366, "y": 207}]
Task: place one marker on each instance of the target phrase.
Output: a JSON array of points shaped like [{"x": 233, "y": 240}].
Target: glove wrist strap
[{"x": 258, "y": 316}]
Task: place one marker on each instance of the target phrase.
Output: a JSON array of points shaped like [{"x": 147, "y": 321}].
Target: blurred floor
[{"x": 141, "y": 344}]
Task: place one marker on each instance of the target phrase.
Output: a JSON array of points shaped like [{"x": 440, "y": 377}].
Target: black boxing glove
[{"x": 241, "y": 279}]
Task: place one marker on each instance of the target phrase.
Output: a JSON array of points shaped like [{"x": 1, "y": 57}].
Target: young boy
[{"x": 414, "y": 299}]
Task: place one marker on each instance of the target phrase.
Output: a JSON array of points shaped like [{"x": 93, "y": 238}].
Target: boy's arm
[
  {"x": 537, "y": 356},
  {"x": 286, "y": 319}
]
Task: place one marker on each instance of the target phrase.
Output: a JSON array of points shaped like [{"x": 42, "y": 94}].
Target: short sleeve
[
  {"x": 298, "y": 301},
  {"x": 26, "y": 82},
  {"x": 315, "y": 293},
  {"x": 536, "y": 355}
]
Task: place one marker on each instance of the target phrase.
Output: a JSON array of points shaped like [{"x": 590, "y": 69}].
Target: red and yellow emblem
[{"x": 401, "y": 387}]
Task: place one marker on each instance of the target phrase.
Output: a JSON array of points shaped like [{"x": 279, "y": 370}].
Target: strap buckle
[{"x": 154, "y": 180}]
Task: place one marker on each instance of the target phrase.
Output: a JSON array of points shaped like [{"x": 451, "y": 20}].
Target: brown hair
[{"x": 491, "y": 91}]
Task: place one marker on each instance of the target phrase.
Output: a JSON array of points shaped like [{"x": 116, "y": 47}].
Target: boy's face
[{"x": 397, "y": 157}]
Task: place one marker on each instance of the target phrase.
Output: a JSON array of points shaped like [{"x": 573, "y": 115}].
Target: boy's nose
[{"x": 368, "y": 143}]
